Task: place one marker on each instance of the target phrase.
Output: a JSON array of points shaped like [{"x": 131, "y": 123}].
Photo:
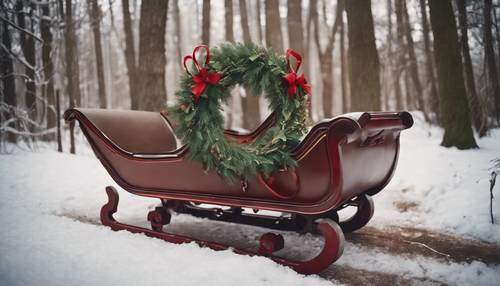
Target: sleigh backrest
[{"x": 135, "y": 132}]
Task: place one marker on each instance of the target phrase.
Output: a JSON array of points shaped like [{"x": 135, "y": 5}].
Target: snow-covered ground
[{"x": 49, "y": 213}]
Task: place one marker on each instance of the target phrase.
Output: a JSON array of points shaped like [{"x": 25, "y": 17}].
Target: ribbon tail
[{"x": 198, "y": 89}]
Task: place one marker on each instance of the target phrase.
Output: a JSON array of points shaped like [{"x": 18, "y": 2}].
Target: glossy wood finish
[{"x": 338, "y": 160}]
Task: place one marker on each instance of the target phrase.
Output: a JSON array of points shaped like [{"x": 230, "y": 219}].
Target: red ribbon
[
  {"x": 203, "y": 78},
  {"x": 291, "y": 78}
]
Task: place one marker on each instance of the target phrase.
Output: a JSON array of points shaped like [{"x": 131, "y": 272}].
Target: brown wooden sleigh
[{"x": 341, "y": 162}]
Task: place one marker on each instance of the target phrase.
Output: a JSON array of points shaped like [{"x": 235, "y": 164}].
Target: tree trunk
[
  {"x": 429, "y": 63},
  {"x": 205, "y": 36},
  {"x": 72, "y": 65},
  {"x": 228, "y": 16},
  {"x": 364, "y": 69},
  {"x": 152, "y": 60},
  {"x": 274, "y": 37},
  {"x": 244, "y": 22},
  {"x": 259, "y": 23},
  {"x": 489, "y": 57},
  {"x": 400, "y": 54},
  {"x": 130, "y": 57},
  {"x": 343, "y": 73},
  {"x": 413, "y": 65},
  {"x": 326, "y": 56},
  {"x": 95, "y": 13},
  {"x": 28, "y": 48},
  {"x": 496, "y": 15},
  {"x": 455, "y": 113},
  {"x": 7, "y": 76},
  {"x": 250, "y": 103},
  {"x": 48, "y": 67},
  {"x": 477, "y": 116},
  {"x": 295, "y": 29}
]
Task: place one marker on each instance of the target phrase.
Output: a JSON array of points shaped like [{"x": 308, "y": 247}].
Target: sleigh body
[{"x": 340, "y": 162}]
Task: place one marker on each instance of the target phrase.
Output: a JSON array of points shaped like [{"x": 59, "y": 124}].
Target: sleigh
[{"x": 341, "y": 163}]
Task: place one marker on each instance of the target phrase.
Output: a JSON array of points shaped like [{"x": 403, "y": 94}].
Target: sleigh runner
[{"x": 341, "y": 162}]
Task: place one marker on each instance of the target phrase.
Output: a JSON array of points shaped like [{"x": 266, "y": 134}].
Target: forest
[
  {"x": 441, "y": 58},
  {"x": 438, "y": 57}
]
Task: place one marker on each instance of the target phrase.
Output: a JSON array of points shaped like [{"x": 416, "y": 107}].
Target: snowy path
[{"x": 431, "y": 227}]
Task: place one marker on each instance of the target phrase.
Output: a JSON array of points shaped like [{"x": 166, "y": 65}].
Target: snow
[
  {"x": 450, "y": 187},
  {"x": 51, "y": 235}
]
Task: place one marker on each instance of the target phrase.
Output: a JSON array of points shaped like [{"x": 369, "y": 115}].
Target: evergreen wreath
[{"x": 198, "y": 109}]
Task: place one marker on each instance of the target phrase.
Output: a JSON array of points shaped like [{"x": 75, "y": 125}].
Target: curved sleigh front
[{"x": 339, "y": 159}]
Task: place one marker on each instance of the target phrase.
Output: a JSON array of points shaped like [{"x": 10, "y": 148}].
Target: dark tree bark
[
  {"x": 130, "y": 57},
  {"x": 274, "y": 37},
  {"x": 364, "y": 67},
  {"x": 477, "y": 116},
  {"x": 244, "y": 22},
  {"x": 152, "y": 60},
  {"x": 326, "y": 56},
  {"x": 28, "y": 48},
  {"x": 400, "y": 54},
  {"x": 455, "y": 113},
  {"x": 343, "y": 72},
  {"x": 71, "y": 52},
  {"x": 95, "y": 13},
  {"x": 48, "y": 66},
  {"x": 250, "y": 103},
  {"x": 496, "y": 15},
  {"x": 296, "y": 34},
  {"x": 259, "y": 23},
  {"x": 228, "y": 17},
  {"x": 413, "y": 65},
  {"x": 7, "y": 70},
  {"x": 205, "y": 29},
  {"x": 489, "y": 57},
  {"x": 295, "y": 28},
  {"x": 429, "y": 62},
  {"x": 178, "y": 34},
  {"x": 72, "y": 65}
]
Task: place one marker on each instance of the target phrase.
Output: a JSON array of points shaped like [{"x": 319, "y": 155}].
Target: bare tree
[
  {"x": 343, "y": 68},
  {"x": 228, "y": 17},
  {"x": 326, "y": 56},
  {"x": 401, "y": 55},
  {"x": 205, "y": 28},
  {"x": 478, "y": 117},
  {"x": 95, "y": 12},
  {"x": 489, "y": 57},
  {"x": 413, "y": 65},
  {"x": 28, "y": 48},
  {"x": 48, "y": 66},
  {"x": 364, "y": 67},
  {"x": 295, "y": 28},
  {"x": 250, "y": 103},
  {"x": 429, "y": 62},
  {"x": 152, "y": 59},
  {"x": 130, "y": 57},
  {"x": 259, "y": 22},
  {"x": 274, "y": 37},
  {"x": 455, "y": 115},
  {"x": 7, "y": 76},
  {"x": 72, "y": 65}
]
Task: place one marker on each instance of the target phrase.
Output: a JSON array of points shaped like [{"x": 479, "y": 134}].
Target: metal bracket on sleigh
[{"x": 139, "y": 151}]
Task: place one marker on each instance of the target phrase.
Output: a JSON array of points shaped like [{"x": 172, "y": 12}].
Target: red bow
[
  {"x": 291, "y": 78},
  {"x": 204, "y": 77}
]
